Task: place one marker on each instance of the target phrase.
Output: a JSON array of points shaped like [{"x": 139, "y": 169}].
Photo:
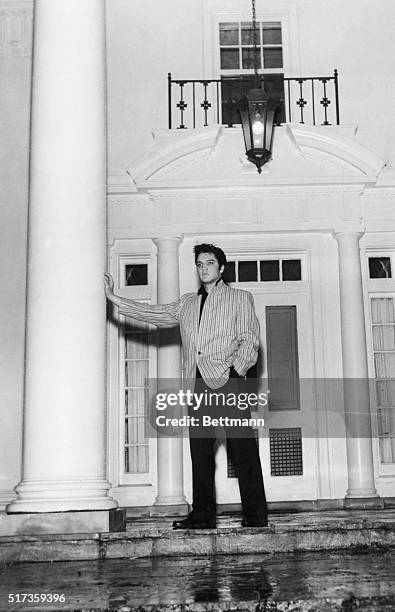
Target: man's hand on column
[{"x": 109, "y": 288}]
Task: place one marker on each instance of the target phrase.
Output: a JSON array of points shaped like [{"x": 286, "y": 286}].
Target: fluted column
[
  {"x": 170, "y": 449},
  {"x": 355, "y": 370},
  {"x": 64, "y": 412}
]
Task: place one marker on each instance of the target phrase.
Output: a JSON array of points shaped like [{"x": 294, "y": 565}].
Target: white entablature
[{"x": 214, "y": 157}]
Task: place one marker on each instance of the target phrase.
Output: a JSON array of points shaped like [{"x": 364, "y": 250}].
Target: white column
[
  {"x": 355, "y": 370},
  {"x": 64, "y": 412},
  {"x": 170, "y": 449}
]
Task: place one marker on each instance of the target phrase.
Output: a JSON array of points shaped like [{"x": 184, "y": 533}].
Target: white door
[{"x": 287, "y": 442}]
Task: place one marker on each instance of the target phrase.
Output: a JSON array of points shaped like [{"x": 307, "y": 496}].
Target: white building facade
[{"x": 312, "y": 238}]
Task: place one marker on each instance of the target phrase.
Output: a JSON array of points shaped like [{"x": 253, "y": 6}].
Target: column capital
[
  {"x": 160, "y": 240},
  {"x": 348, "y": 237}
]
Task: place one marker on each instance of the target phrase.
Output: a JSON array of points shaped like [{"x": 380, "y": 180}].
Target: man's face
[{"x": 208, "y": 268}]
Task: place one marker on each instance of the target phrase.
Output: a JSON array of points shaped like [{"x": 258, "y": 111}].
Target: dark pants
[{"x": 244, "y": 453}]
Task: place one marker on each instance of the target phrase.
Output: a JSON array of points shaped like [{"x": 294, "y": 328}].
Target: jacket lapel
[{"x": 195, "y": 319}]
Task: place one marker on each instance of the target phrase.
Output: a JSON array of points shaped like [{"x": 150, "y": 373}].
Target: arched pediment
[{"x": 214, "y": 157}]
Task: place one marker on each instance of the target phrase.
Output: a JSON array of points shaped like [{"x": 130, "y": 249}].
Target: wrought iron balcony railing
[{"x": 196, "y": 103}]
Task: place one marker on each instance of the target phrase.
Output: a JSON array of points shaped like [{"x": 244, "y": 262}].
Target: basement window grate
[{"x": 286, "y": 457}]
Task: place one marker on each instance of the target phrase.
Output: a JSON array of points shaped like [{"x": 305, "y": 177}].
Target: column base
[
  {"x": 6, "y": 497},
  {"x": 63, "y": 522},
  {"x": 61, "y": 496},
  {"x": 169, "y": 510},
  {"x": 364, "y": 503}
]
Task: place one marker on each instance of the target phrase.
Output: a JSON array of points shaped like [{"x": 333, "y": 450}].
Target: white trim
[
  {"x": 386, "y": 470},
  {"x": 141, "y": 488}
]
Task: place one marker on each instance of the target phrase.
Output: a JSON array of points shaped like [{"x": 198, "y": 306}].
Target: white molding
[
  {"x": 212, "y": 158},
  {"x": 16, "y": 29},
  {"x": 169, "y": 146},
  {"x": 338, "y": 141},
  {"x": 243, "y": 191}
]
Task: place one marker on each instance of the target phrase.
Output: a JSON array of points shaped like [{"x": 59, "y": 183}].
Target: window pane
[
  {"x": 136, "y": 274},
  {"x": 131, "y": 431},
  {"x": 247, "y": 34},
  {"x": 273, "y": 58},
  {"x": 385, "y": 365},
  {"x": 229, "y": 274},
  {"x": 136, "y": 346},
  {"x": 228, "y": 34},
  {"x": 136, "y": 373},
  {"x": 270, "y": 270},
  {"x": 135, "y": 401},
  {"x": 230, "y": 59},
  {"x": 384, "y": 337},
  {"x": 385, "y": 392},
  {"x": 383, "y": 310},
  {"x": 248, "y": 58},
  {"x": 137, "y": 459},
  {"x": 142, "y": 459},
  {"x": 272, "y": 33},
  {"x": 379, "y": 267},
  {"x": 247, "y": 271},
  {"x": 291, "y": 270}
]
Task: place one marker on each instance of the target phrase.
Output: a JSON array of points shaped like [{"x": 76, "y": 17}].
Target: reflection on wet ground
[{"x": 342, "y": 580}]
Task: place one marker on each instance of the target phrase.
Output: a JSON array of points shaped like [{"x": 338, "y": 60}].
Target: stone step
[{"x": 154, "y": 537}]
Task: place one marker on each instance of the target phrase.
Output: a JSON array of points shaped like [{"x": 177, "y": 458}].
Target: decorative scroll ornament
[{"x": 16, "y": 26}]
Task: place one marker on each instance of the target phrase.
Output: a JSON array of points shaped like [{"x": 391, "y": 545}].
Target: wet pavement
[{"x": 306, "y": 581}]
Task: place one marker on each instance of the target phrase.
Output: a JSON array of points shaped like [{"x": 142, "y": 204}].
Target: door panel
[{"x": 287, "y": 442}]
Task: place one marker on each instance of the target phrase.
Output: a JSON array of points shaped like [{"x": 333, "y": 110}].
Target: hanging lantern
[{"x": 257, "y": 112}]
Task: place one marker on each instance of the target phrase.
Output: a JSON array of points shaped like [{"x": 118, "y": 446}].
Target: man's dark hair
[{"x": 210, "y": 248}]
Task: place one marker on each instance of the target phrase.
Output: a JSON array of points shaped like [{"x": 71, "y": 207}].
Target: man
[{"x": 220, "y": 339}]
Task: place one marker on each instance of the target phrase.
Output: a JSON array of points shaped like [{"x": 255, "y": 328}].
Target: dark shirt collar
[{"x": 202, "y": 290}]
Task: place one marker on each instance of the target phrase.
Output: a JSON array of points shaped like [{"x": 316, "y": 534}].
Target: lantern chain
[{"x": 255, "y": 40}]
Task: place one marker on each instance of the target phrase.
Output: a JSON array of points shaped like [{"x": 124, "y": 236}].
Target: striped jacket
[{"x": 228, "y": 334}]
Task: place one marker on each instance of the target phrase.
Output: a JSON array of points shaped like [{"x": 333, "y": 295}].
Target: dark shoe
[
  {"x": 254, "y": 522},
  {"x": 193, "y": 523}
]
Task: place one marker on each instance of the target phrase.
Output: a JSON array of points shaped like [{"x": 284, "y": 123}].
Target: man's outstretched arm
[
  {"x": 247, "y": 335},
  {"x": 161, "y": 315}
]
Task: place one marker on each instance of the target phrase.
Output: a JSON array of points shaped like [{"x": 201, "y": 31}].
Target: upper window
[
  {"x": 236, "y": 42},
  {"x": 237, "y": 46}
]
